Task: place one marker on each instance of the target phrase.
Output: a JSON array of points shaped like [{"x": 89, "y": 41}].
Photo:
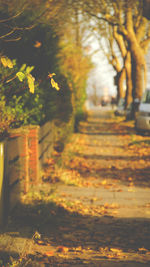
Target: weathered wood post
[{"x": 33, "y": 155}]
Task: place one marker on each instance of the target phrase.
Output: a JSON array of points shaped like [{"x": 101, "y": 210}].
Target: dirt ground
[{"x": 92, "y": 207}]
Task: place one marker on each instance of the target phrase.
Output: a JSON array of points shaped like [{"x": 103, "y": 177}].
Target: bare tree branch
[{"x": 11, "y": 18}]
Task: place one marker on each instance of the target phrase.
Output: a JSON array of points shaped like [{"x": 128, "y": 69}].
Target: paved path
[
  {"x": 106, "y": 221},
  {"x": 115, "y": 177}
]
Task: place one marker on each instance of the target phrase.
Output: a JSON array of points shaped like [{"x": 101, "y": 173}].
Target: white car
[{"x": 142, "y": 121}]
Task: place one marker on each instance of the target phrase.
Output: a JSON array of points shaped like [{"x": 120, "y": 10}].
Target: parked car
[{"x": 142, "y": 120}]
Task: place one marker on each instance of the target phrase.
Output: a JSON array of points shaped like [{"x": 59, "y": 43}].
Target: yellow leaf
[
  {"x": 9, "y": 63},
  {"x": 49, "y": 253},
  {"x": 54, "y": 84},
  {"x": 142, "y": 249},
  {"x": 50, "y": 75},
  {"x": 116, "y": 250},
  {"x": 62, "y": 249},
  {"x": 78, "y": 248},
  {"x": 93, "y": 199},
  {"x": 37, "y": 44},
  {"x": 4, "y": 61},
  {"x": 131, "y": 184},
  {"x": 114, "y": 206},
  {"x": 104, "y": 182},
  {"x": 31, "y": 83},
  {"x": 131, "y": 189}
]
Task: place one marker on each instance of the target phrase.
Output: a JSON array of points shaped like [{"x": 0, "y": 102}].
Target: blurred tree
[
  {"x": 126, "y": 17},
  {"x": 75, "y": 65},
  {"x": 110, "y": 49}
]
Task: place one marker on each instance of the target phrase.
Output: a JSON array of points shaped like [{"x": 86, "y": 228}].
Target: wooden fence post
[{"x": 33, "y": 151}]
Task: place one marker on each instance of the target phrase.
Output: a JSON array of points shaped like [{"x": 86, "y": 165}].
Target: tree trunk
[
  {"x": 137, "y": 57},
  {"x": 127, "y": 64},
  {"x": 137, "y": 78},
  {"x": 121, "y": 79}
]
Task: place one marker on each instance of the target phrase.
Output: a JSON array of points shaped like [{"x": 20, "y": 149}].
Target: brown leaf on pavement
[{"x": 62, "y": 249}]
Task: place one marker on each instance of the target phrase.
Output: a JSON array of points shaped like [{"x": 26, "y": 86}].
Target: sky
[{"x": 101, "y": 77}]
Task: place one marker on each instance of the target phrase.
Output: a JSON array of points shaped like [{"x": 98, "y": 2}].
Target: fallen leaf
[
  {"x": 93, "y": 199},
  {"x": 104, "y": 182},
  {"x": 62, "y": 249},
  {"x": 37, "y": 44},
  {"x": 116, "y": 250},
  {"x": 78, "y": 248},
  {"x": 142, "y": 250},
  {"x": 131, "y": 190},
  {"x": 106, "y": 205},
  {"x": 49, "y": 253},
  {"x": 114, "y": 206}
]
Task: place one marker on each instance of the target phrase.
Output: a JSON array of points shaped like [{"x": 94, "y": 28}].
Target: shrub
[{"x": 17, "y": 106}]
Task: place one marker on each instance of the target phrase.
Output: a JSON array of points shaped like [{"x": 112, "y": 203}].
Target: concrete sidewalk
[{"x": 104, "y": 222}]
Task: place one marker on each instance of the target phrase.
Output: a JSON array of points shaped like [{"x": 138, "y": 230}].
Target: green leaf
[
  {"x": 31, "y": 79},
  {"x": 21, "y": 76}
]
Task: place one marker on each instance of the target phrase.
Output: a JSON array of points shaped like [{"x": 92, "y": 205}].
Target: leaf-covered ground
[{"x": 92, "y": 207}]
